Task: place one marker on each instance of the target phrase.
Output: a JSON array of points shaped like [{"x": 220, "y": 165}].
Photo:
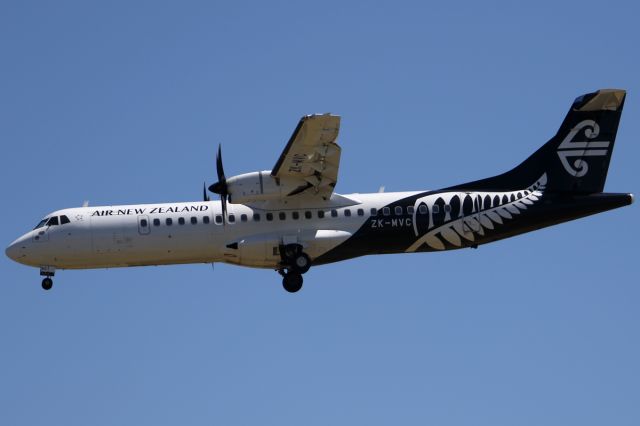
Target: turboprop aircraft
[{"x": 289, "y": 218}]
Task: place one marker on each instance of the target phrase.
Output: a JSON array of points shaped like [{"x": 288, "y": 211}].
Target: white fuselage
[{"x": 192, "y": 232}]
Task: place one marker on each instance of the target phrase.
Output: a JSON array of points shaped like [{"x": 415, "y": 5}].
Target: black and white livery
[{"x": 290, "y": 219}]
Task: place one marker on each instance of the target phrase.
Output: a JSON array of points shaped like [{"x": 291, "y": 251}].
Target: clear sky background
[{"x": 125, "y": 102}]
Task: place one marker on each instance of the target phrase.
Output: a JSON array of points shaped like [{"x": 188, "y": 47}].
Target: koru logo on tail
[{"x": 590, "y": 148}]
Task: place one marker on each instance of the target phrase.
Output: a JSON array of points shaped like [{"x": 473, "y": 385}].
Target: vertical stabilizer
[{"x": 577, "y": 158}]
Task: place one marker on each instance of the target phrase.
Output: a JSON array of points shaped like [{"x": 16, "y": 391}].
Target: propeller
[
  {"x": 205, "y": 196},
  {"x": 220, "y": 187}
]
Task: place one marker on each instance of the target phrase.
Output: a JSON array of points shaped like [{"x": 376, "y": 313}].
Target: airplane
[{"x": 289, "y": 218}]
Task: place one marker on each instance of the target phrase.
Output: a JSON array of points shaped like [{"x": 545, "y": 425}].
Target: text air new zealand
[{"x": 290, "y": 219}]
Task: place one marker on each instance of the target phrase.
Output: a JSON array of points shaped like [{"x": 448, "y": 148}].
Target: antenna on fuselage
[
  {"x": 86, "y": 203},
  {"x": 381, "y": 189}
]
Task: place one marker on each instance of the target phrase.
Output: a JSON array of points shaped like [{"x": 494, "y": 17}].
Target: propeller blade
[
  {"x": 205, "y": 196},
  {"x": 219, "y": 167},
  {"x": 224, "y": 209}
]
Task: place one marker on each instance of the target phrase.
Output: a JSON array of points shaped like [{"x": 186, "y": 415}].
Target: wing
[{"x": 311, "y": 157}]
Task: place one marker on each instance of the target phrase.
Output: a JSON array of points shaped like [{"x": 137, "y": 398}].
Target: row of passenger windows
[
  {"x": 386, "y": 211},
  {"x": 169, "y": 221},
  {"x": 257, "y": 217}
]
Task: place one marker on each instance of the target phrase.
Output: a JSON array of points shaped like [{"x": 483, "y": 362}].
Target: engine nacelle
[
  {"x": 258, "y": 186},
  {"x": 262, "y": 186}
]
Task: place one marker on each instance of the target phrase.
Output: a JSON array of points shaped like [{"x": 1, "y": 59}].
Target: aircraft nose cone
[
  {"x": 13, "y": 251},
  {"x": 16, "y": 250}
]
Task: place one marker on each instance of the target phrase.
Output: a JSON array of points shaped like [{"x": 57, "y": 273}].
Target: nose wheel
[{"x": 47, "y": 283}]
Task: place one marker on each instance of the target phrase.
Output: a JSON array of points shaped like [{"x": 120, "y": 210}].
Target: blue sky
[{"x": 125, "y": 102}]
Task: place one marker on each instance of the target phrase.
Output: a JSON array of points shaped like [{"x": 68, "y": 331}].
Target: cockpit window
[
  {"x": 41, "y": 223},
  {"x": 64, "y": 219},
  {"x": 53, "y": 221}
]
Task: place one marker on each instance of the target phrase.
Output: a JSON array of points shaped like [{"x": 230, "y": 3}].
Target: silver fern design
[{"x": 458, "y": 218}]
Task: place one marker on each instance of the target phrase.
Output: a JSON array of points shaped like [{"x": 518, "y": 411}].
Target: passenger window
[
  {"x": 156, "y": 222},
  {"x": 232, "y": 218},
  {"x": 398, "y": 210},
  {"x": 321, "y": 214},
  {"x": 243, "y": 217},
  {"x": 386, "y": 211},
  {"x": 347, "y": 212},
  {"x": 205, "y": 219},
  {"x": 194, "y": 220},
  {"x": 334, "y": 213},
  {"x": 410, "y": 210},
  {"x": 256, "y": 217},
  {"x": 374, "y": 211},
  {"x": 295, "y": 215},
  {"x": 218, "y": 219},
  {"x": 307, "y": 214},
  {"x": 143, "y": 223},
  {"x": 360, "y": 212},
  {"x": 269, "y": 216},
  {"x": 282, "y": 216},
  {"x": 423, "y": 209},
  {"x": 169, "y": 221},
  {"x": 53, "y": 221},
  {"x": 181, "y": 221}
]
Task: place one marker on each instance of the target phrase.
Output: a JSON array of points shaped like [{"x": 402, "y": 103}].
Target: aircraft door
[{"x": 144, "y": 225}]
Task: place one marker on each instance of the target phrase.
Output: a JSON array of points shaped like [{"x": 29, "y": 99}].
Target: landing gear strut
[
  {"x": 47, "y": 272},
  {"x": 295, "y": 262}
]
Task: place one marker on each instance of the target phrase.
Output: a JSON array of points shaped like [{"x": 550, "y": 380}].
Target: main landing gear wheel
[
  {"x": 47, "y": 283},
  {"x": 301, "y": 263},
  {"x": 292, "y": 282}
]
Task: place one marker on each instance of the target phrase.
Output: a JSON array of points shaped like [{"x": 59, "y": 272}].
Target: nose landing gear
[{"x": 47, "y": 272}]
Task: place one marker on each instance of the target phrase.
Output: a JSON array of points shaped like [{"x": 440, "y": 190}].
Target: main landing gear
[
  {"x": 294, "y": 263},
  {"x": 47, "y": 272},
  {"x": 291, "y": 281}
]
